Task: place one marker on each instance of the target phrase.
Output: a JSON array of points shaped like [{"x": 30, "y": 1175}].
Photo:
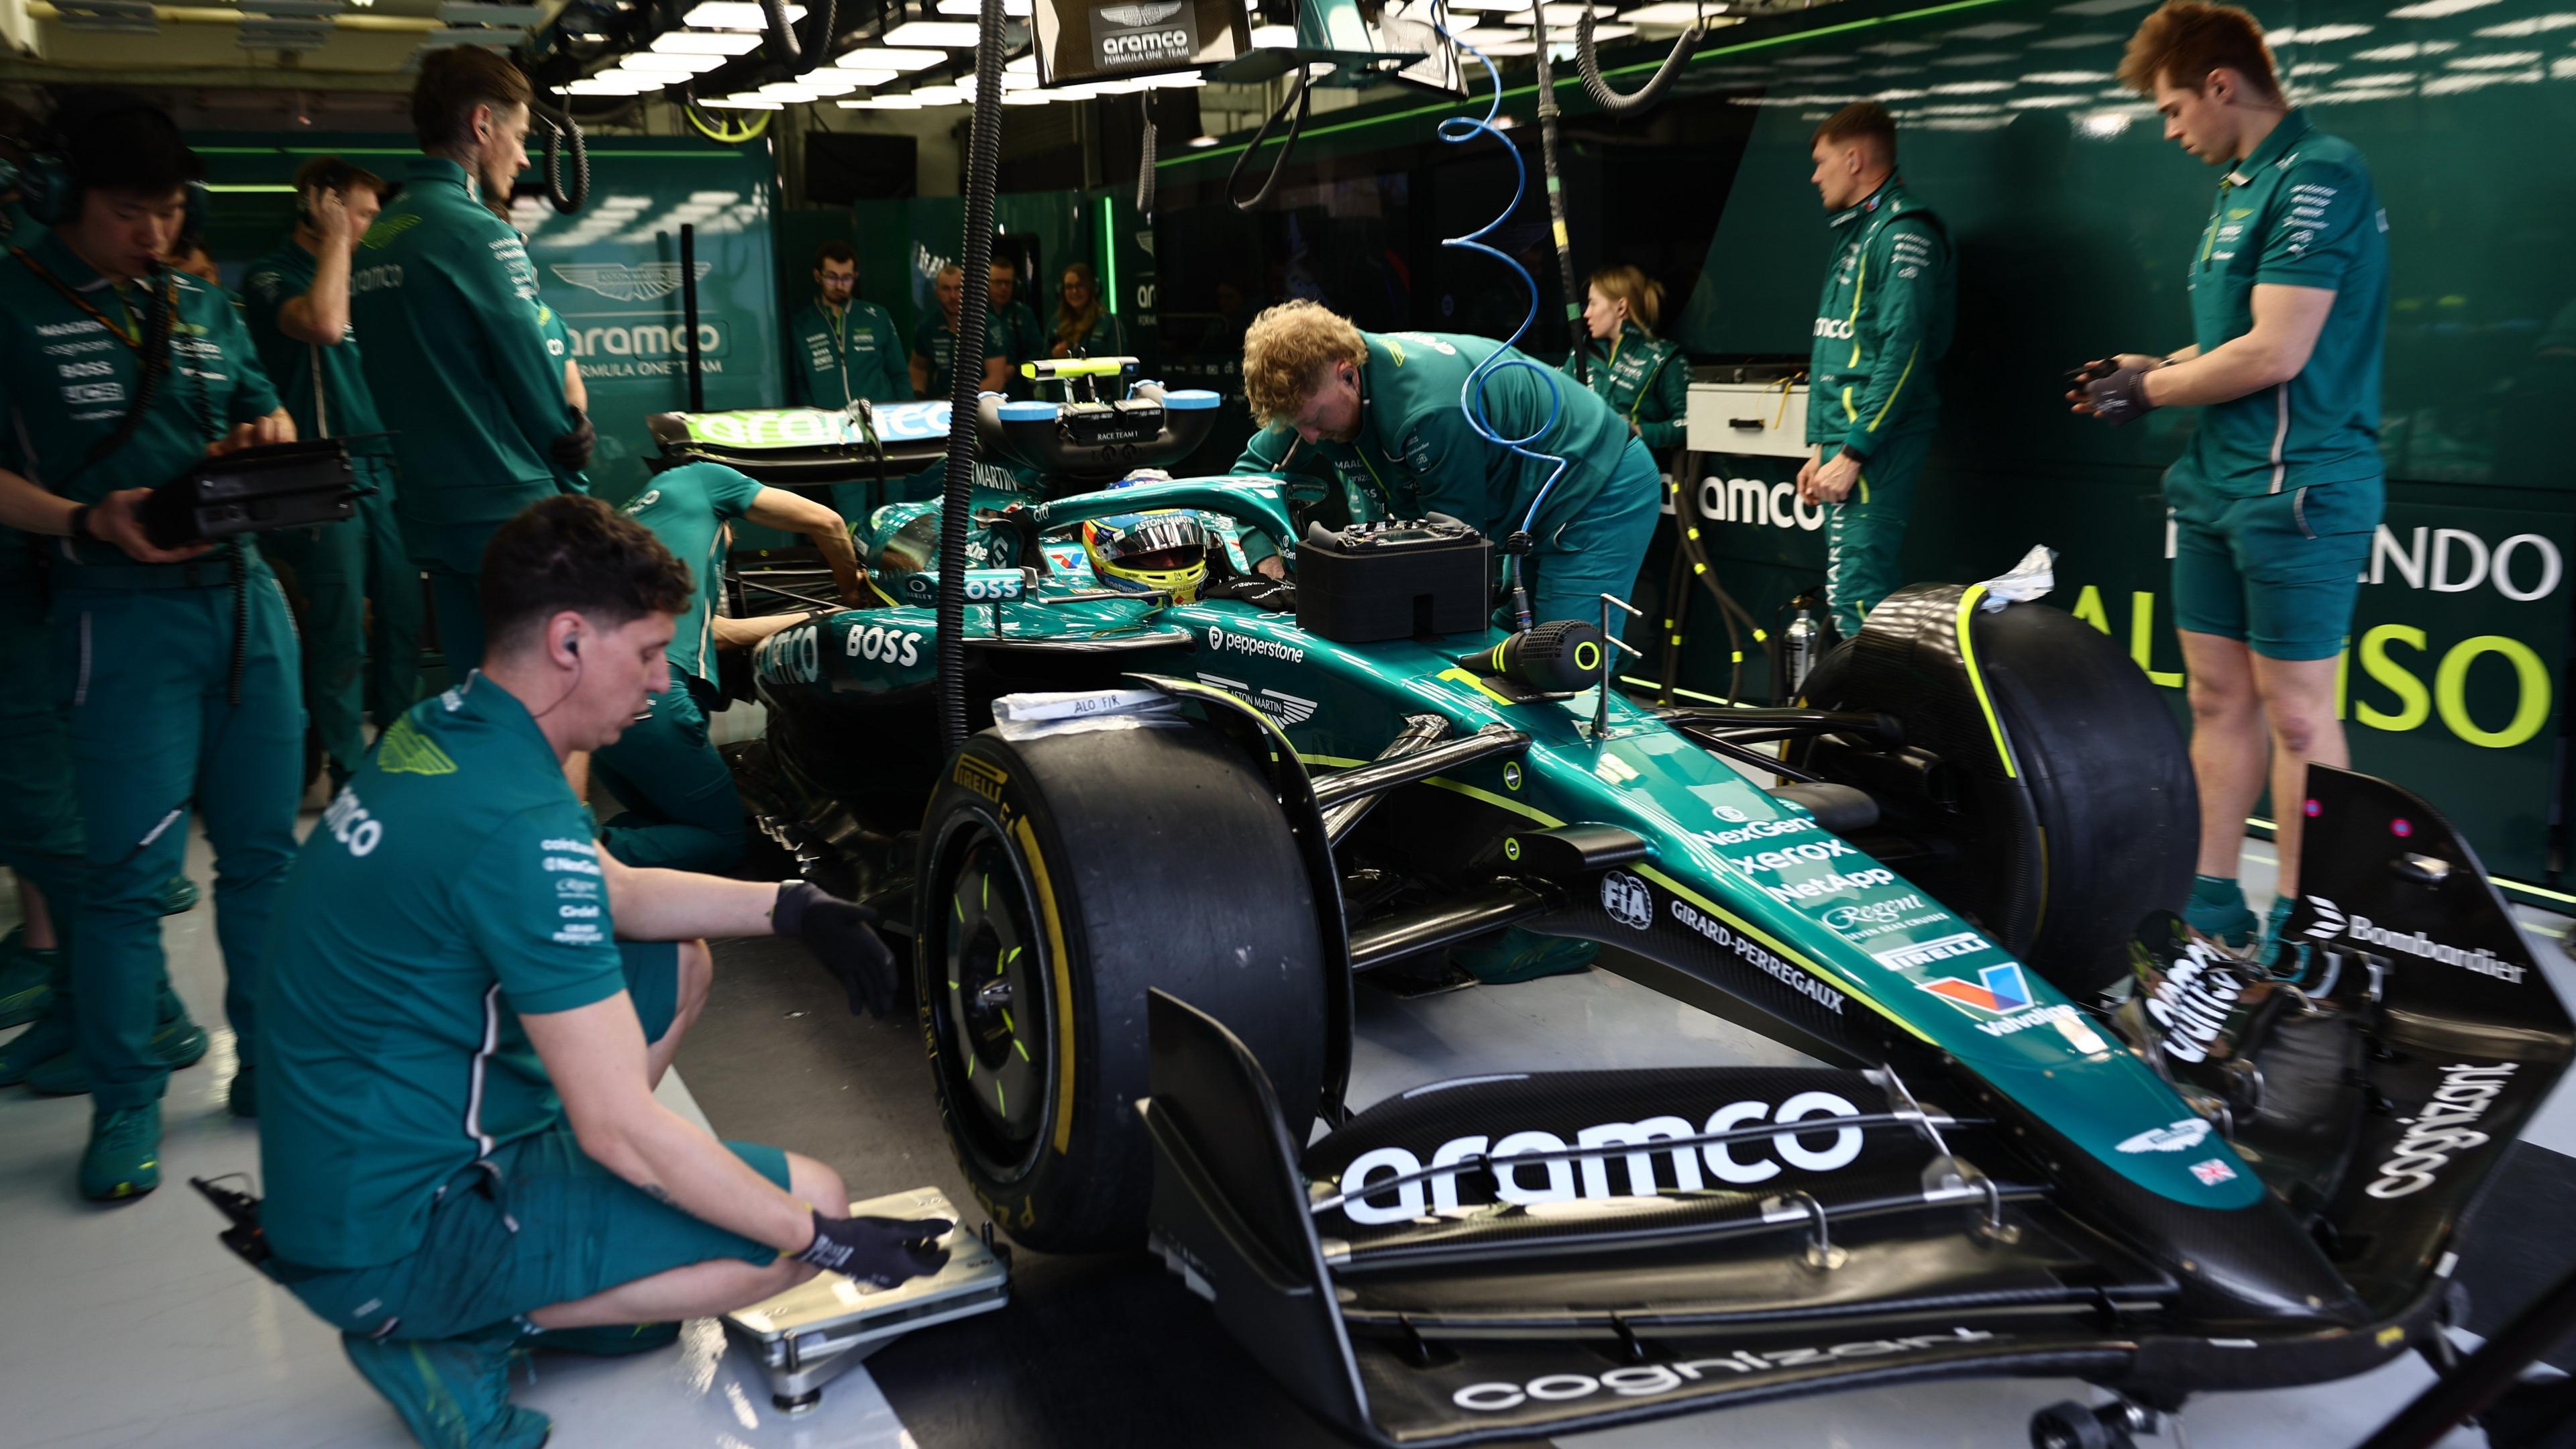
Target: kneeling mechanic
[
  {"x": 473, "y": 1003},
  {"x": 681, "y": 808}
]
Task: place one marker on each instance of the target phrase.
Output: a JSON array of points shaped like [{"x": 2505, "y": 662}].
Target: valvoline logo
[{"x": 1998, "y": 989}]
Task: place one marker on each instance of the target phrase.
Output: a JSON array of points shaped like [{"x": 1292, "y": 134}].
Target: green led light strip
[
  {"x": 279, "y": 186},
  {"x": 1575, "y": 81}
]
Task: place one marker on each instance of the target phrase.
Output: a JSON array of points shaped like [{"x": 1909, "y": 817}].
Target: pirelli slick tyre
[
  {"x": 1061, "y": 878},
  {"x": 2061, "y": 810}
]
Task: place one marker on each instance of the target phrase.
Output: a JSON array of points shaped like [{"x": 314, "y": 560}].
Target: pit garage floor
[{"x": 131, "y": 1326}]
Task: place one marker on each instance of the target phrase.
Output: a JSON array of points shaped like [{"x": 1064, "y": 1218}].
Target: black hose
[
  {"x": 1587, "y": 59},
  {"x": 566, "y": 202},
  {"x": 1547, "y": 114},
  {"x": 983, "y": 164},
  {"x": 1145, "y": 168},
  {"x": 799, "y": 54},
  {"x": 1297, "y": 96}
]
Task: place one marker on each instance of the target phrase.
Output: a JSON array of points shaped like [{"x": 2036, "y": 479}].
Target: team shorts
[
  {"x": 2279, "y": 571},
  {"x": 653, "y": 982},
  {"x": 549, "y": 1226}
]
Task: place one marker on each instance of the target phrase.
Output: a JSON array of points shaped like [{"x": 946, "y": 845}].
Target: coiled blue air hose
[{"x": 1459, "y": 130}]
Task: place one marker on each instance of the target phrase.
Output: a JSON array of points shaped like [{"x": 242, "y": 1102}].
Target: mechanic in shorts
[
  {"x": 472, "y": 1004},
  {"x": 682, "y": 811},
  {"x": 2277, "y": 496},
  {"x": 1378, "y": 414}
]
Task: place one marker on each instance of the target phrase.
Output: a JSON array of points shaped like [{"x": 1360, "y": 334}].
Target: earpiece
[{"x": 572, "y": 644}]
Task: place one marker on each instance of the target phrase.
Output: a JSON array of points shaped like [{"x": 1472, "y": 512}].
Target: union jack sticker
[{"x": 2213, "y": 1172}]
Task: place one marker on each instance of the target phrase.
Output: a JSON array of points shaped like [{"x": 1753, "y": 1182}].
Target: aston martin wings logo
[
  {"x": 1284, "y": 709},
  {"x": 619, "y": 282},
  {"x": 1136, "y": 17}
]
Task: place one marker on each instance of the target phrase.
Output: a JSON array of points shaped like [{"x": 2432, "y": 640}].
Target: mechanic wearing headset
[
  {"x": 1642, "y": 377},
  {"x": 180, "y": 669},
  {"x": 361, "y": 592},
  {"x": 1381, "y": 411},
  {"x": 472, "y": 1006},
  {"x": 2279, "y": 493},
  {"x": 682, "y": 811},
  {"x": 843, "y": 349},
  {"x": 481, "y": 424},
  {"x": 1882, "y": 322}
]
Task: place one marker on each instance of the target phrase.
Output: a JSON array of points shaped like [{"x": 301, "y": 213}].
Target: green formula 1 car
[{"x": 2043, "y": 1141}]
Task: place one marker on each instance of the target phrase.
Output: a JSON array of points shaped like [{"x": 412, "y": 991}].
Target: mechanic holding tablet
[
  {"x": 472, "y": 1005},
  {"x": 682, "y": 810},
  {"x": 2277, "y": 496},
  {"x": 1381, "y": 412},
  {"x": 181, "y": 669},
  {"x": 481, "y": 423}
]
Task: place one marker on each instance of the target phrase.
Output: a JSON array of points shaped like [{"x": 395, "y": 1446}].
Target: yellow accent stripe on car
[
  {"x": 1769, "y": 941},
  {"x": 1977, "y": 681},
  {"x": 1777, "y": 948},
  {"x": 1063, "y": 970}
]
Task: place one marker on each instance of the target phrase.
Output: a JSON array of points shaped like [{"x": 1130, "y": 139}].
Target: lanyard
[{"x": 133, "y": 341}]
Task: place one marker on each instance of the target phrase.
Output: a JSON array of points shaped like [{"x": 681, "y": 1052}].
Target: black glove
[
  {"x": 1278, "y": 596},
  {"x": 840, "y": 935},
  {"x": 2117, "y": 394},
  {"x": 572, "y": 450},
  {"x": 882, "y": 1251}
]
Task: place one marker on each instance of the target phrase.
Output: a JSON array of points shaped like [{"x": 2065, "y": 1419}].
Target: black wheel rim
[{"x": 991, "y": 1009}]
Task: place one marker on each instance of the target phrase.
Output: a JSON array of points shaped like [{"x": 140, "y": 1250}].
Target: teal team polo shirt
[
  {"x": 1416, "y": 454},
  {"x": 936, "y": 340},
  {"x": 325, "y": 388},
  {"x": 2299, "y": 212},
  {"x": 451, "y": 886},
  {"x": 69, "y": 374},
  {"x": 691, "y": 509},
  {"x": 473, "y": 392}
]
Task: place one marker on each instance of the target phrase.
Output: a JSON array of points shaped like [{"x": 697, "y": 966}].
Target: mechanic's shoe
[
  {"x": 53, "y": 1036},
  {"x": 176, "y": 1040},
  {"x": 242, "y": 1097},
  {"x": 179, "y": 896},
  {"x": 2217, "y": 910},
  {"x": 123, "y": 1159},
  {"x": 27, "y": 979},
  {"x": 452, "y": 1393},
  {"x": 2287, "y": 957},
  {"x": 607, "y": 1340}
]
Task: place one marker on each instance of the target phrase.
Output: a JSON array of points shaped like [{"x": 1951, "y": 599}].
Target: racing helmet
[{"x": 1141, "y": 552}]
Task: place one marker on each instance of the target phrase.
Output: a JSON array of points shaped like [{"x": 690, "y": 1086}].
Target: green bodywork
[{"x": 1806, "y": 925}]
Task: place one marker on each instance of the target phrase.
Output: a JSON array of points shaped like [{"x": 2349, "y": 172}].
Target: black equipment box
[
  {"x": 253, "y": 490},
  {"x": 1394, "y": 580}
]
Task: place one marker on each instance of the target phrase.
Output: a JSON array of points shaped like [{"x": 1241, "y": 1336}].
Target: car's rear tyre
[
  {"x": 2095, "y": 822},
  {"x": 1062, "y": 877}
]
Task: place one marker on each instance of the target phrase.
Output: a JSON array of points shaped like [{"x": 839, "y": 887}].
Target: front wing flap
[{"x": 1813, "y": 1230}]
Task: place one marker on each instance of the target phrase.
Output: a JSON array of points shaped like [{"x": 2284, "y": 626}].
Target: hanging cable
[
  {"x": 1145, "y": 166},
  {"x": 799, "y": 54},
  {"x": 1547, "y": 114},
  {"x": 983, "y": 163},
  {"x": 1297, "y": 97},
  {"x": 1587, "y": 60},
  {"x": 1458, "y": 131},
  {"x": 565, "y": 202}
]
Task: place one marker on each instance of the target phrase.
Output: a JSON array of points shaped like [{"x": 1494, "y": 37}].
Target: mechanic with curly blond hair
[{"x": 1380, "y": 415}]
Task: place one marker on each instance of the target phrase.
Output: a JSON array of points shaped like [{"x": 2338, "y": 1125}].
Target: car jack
[{"x": 815, "y": 1332}]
